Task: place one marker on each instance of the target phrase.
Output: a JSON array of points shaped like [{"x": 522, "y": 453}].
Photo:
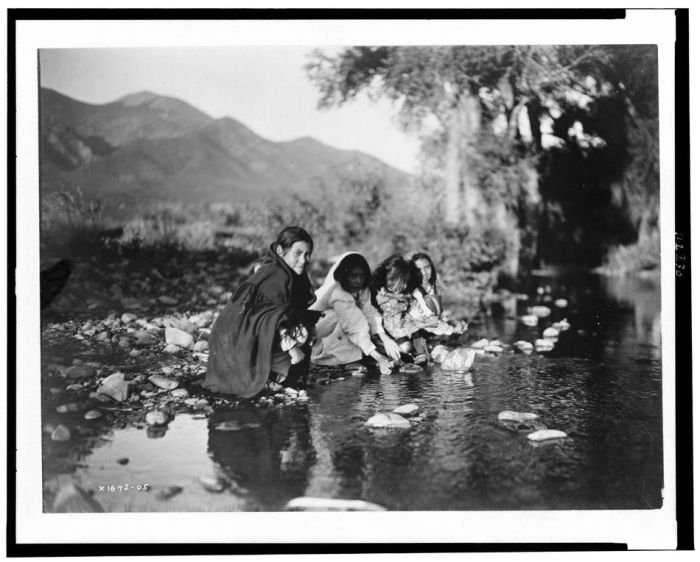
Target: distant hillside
[{"x": 145, "y": 147}]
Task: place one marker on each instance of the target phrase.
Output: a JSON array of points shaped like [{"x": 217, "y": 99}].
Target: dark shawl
[{"x": 242, "y": 338}]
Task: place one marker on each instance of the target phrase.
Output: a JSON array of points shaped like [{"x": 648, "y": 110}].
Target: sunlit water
[{"x": 601, "y": 385}]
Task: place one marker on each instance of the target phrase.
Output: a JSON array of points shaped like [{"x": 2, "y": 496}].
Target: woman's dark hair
[
  {"x": 290, "y": 235},
  {"x": 347, "y": 264},
  {"x": 395, "y": 268},
  {"x": 426, "y": 257}
]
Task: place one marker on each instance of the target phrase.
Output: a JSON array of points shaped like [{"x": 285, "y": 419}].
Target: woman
[
  {"x": 344, "y": 333},
  {"x": 428, "y": 282},
  {"x": 262, "y": 333}
]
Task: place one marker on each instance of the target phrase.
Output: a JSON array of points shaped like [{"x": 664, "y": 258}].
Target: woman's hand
[
  {"x": 382, "y": 361},
  {"x": 391, "y": 347}
]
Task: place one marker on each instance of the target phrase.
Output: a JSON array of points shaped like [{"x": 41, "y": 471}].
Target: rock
[
  {"x": 180, "y": 338},
  {"x": 74, "y": 387},
  {"x": 213, "y": 485},
  {"x": 171, "y": 348},
  {"x": 179, "y": 393},
  {"x": 546, "y": 434},
  {"x": 163, "y": 382},
  {"x": 201, "y": 345},
  {"x": 168, "y": 492},
  {"x": 544, "y": 345},
  {"x": 71, "y": 498},
  {"x": 92, "y": 414},
  {"x": 529, "y": 320},
  {"x": 524, "y": 346},
  {"x": 143, "y": 337},
  {"x": 191, "y": 401},
  {"x": 229, "y": 426},
  {"x": 410, "y": 368},
  {"x": 562, "y": 325},
  {"x": 507, "y": 415},
  {"x": 289, "y": 391},
  {"x": 459, "y": 359},
  {"x": 491, "y": 348},
  {"x": 201, "y": 403},
  {"x": 541, "y": 311},
  {"x": 128, "y": 318},
  {"x": 124, "y": 342},
  {"x": 102, "y": 336},
  {"x": 157, "y": 417},
  {"x": 170, "y": 301},
  {"x": 561, "y": 303},
  {"x": 80, "y": 372},
  {"x": 388, "y": 420},
  {"x": 65, "y": 408},
  {"x": 407, "y": 410},
  {"x": 114, "y": 386},
  {"x": 302, "y": 396},
  {"x": 481, "y": 344},
  {"x": 123, "y": 461},
  {"x": 550, "y": 333},
  {"x": 330, "y": 504},
  {"x": 61, "y": 433},
  {"x": 167, "y": 370}
]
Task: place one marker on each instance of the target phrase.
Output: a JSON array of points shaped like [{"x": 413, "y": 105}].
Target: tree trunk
[{"x": 452, "y": 184}]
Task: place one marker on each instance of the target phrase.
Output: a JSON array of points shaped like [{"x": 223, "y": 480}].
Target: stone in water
[
  {"x": 388, "y": 420},
  {"x": 541, "y": 311},
  {"x": 114, "y": 386},
  {"x": 156, "y": 417},
  {"x": 439, "y": 353},
  {"x": 507, "y": 415},
  {"x": 460, "y": 359},
  {"x": 550, "y": 332},
  {"x": 546, "y": 434},
  {"x": 407, "y": 410},
  {"x": 92, "y": 414}
]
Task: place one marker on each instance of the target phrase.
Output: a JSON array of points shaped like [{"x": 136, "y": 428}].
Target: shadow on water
[{"x": 601, "y": 385}]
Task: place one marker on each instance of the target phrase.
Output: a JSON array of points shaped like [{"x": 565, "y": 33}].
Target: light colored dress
[{"x": 348, "y": 323}]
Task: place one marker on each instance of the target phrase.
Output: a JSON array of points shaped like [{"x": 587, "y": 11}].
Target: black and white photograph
[{"x": 398, "y": 269}]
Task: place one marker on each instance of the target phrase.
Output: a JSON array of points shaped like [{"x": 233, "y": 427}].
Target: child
[
  {"x": 349, "y": 317},
  {"x": 262, "y": 333}
]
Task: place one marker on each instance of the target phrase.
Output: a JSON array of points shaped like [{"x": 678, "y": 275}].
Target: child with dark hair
[
  {"x": 261, "y": 335},
  {"x": 344, "y": 333}
]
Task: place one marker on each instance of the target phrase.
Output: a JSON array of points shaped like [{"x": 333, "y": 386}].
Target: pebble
[
  {"x": 388, "y": 420},
  {"x": 546, "y": 434},
  {"x": 302, "y": 396},
  {"x": 508, "y": 415},
  {"x": 92, "y": 414},
  {"x": 80, "y": 372},
  {"x": 180, "y": 338},
  {"x": 163, "y": 382},
  {"x": 550, "y": 332},
  {"x": 102, "y": 336},
  {"x": 358, "y": 373},
  {"x": 65, "y": 408},
  {"x": 541, "y": 311},
  {"x": 61, "y": 433},
  {"x": 229, "y": 426},
  {"x": 529, "y": 320},
  {"x": 544, "y": 345},
  {"x": 124, "y": 342},
  {"x": 114, "y": 386},
  {"x": 144, "y": 337},
  {"x": 562, "y": 325},
  {"x": 157, "y": 417},
  {"x": 561, "y": 303},
  {"x": 201, "y": 345},
  {"x": 168, "y": 492},
  {"x": 407, "y": 410},
  {"x": 330, "y": 504}
]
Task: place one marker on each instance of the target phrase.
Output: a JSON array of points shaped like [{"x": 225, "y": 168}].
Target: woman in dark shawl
[{"x": 263, "y": 333}]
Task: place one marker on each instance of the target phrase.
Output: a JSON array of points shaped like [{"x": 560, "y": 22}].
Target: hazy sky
[{"x": 265, "y": 88}]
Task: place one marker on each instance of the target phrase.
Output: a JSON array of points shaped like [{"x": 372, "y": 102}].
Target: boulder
[
  {"x": 407, "y": 410},
  {"x": 546, "y": 435},
  {"x": 213, "y": 485},
  {"x": 459, "y": 359},
  {"x": 71, "y": 498},
  {"x": 114, "y": 386},
  {"x": 562, "y": 325},
  {"x": 330, "y": 504},
  {"x": 388, "y": 420},
  {"x": 178, "y": 337}
]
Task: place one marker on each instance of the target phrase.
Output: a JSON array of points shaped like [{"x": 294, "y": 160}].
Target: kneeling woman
[
  {"x": 262, "y": 333},
  {"x": 349, "y": 319}
]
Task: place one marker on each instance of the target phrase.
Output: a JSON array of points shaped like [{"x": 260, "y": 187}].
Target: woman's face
[
  {"x": 425, "y": 269},
  {"x": 357, "y": 279},
  {"x": 297, "y": 257}
]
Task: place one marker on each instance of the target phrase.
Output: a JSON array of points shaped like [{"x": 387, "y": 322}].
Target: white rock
[
  {"x": 544, "y": 345},
  {"x": 128, "y": 317},
  {"x": 546, "y": 434},
  {"x": 291, "y": 392},
  {"x": 561, "y": 303},
  {"x": 156, "y": 417},
  {"x": 491, "y": 348},
  {"x": 114, "y": 386},
  {"x": 529, "y": 319},
  {"x": 407, "y": 410},
  {"x": 180, "y": 338},
  {"x": 481, "y": 344},
  {"x": 459, "y": 359},
  {"x": 508, "y": 415},
  {"x": 92, "y": 414},
  {"x": 163, "y": 382},
  {"x": 201, "y": 345},
  {"x": 439, "y": 353},
  {"x": 388, "y": 420},
  {"x": 180, "y": 393},
  {"x": 550, "y": 332},
  {"x": 562, "y": 325},
  {"x": 61, "y": 433},
  {"x": 171, "y": 348},
  {"x": 330, "y": 504},
  {"x": 525, "y": 346},
  {"x": 541, "y": 311}
]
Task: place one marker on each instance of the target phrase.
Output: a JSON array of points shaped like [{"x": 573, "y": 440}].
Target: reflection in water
[{"x": 269, "y": 456}]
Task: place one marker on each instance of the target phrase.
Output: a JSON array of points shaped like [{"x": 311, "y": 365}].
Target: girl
[
  {"x": 428, "y": 285},
  {"x": 349, "y": 318},
  {"x": 262, "y": 333},
  {"x": 394, "y": 282}
]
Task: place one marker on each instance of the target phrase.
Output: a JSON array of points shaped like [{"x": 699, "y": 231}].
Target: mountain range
[{"x": 146, "y": 147}]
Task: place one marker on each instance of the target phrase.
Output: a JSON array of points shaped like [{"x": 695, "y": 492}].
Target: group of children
[{"x": 275, "y": 325}]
